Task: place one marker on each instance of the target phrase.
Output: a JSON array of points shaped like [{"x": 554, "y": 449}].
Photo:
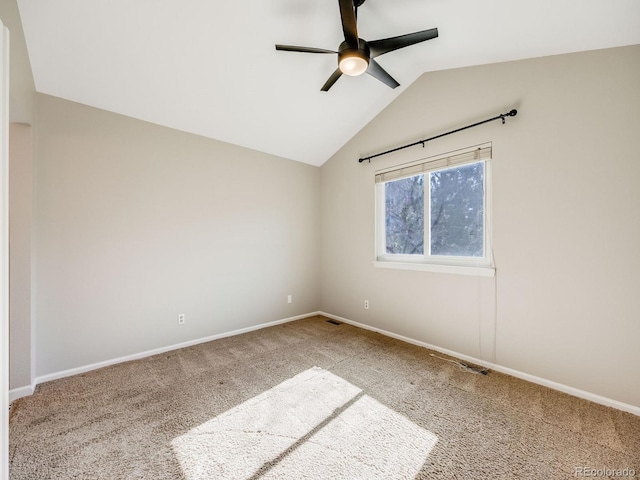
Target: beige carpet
[{"x": 310, "y": 399}]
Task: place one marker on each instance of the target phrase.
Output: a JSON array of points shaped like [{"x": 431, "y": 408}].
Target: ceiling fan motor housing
[{"x": 354, "y": 61}]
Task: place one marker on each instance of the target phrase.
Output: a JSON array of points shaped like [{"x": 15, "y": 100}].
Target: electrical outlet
[
  {"x": 366, "y": 304},
  {"x": 289, "y": 298},
  {"x": 181, "y": 319}
]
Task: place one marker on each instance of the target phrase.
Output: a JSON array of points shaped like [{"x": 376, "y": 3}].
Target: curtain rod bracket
[{"x": 502, "y": 116}]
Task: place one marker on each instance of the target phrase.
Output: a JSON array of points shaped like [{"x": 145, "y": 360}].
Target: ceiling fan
[{"x": 355, "y": 55}]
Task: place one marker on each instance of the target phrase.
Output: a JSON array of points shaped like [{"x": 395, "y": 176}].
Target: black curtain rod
[{"x": 502, "y": 116}]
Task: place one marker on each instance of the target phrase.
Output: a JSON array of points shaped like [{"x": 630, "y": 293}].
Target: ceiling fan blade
[
  {"x": 293, "y": 48},
  {"x": 332, "y": 79},
  {"x": 379, "y": 47},
  {"x": 376, "y": 71},
  {"x": 348, "y": 15}
]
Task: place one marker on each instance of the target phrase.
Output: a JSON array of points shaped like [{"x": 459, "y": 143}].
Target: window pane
[
  {"x": 457, "y": 211},
  {"x": 404, "y": 215}
]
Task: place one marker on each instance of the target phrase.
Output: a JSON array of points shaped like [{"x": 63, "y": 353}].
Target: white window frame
[{"x": 479, "y": 266}]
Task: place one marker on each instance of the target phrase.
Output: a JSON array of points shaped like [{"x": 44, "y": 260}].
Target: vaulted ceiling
[{"x": 210, "y": 67}]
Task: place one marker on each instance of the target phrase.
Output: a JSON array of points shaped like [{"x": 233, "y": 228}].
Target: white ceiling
[{"x": 210, "y": 67}]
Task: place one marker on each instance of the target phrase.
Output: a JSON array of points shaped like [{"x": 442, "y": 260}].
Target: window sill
[{"x": 430, "y": 267}]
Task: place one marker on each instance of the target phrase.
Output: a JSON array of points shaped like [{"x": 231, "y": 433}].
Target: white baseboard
[
  {"x": 156, "y": 351},
  {"x": 625, "y": 407},
  {"x": 28, "y": 390},
  {"x": 20, "y": 392}
]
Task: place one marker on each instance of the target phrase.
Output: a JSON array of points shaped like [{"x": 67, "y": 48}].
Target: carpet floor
[{"x": 310, "y": 399}]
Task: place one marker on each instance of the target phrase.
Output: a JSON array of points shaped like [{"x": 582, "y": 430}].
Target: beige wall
[
  {"x": 137, "y": 223},
  {"x": 20, "y": 219},
  {"x": 21, "y": 111},
  {"x": 566, "y": 228}
]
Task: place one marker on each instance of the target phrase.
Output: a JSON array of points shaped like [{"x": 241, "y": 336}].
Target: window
[{"x": 434, "y": 214}]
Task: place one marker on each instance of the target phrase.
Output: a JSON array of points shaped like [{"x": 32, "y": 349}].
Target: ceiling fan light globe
[{"x": 353, "y": 65}]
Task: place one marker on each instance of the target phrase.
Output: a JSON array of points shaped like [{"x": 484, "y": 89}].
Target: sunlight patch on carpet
[{"x": 313, "y": 425}]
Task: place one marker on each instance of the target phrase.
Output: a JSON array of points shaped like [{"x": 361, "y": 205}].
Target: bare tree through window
[
  {"x": 455, "y": 216},
  {"x": 404, "y": 203},
  {"x": 457, "y": 211}
]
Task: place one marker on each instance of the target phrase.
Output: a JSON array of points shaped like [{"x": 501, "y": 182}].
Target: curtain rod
[{"x": 502, "y": 116}]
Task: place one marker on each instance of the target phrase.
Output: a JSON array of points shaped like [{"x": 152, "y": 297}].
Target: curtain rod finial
[{"x": 512, "y": 113}]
